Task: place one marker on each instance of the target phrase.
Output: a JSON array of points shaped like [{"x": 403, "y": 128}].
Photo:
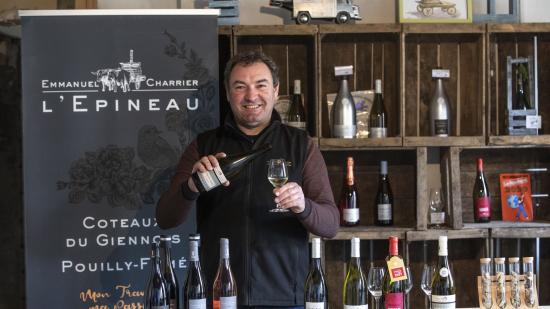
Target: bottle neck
[
  {"x": 349, "y": 176},
  {"x": 297, "y": 87},
  {"x": 193, "y": 251},
  {"x": 394, "y": 248},
  {"x": 355, "y": 248},
  {"x": 344, "y": 86},
  {"x": 480, "y": 166},
  {"x": 439, "y": 86}
]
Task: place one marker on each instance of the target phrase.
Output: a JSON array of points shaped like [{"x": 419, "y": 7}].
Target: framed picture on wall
[{"x": 435, "y": 11}]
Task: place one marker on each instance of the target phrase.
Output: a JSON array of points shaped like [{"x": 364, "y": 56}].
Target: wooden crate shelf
[
  {"x": 371, "y": 232},
  {"x": 433, "y": 234},
  {"x": 461, "y": 49},
  {"x": 516, "y": 40},
  {"x": 373, "y": 50},
  {"x": 358, "y": 143},
  {"x": 406, "y": 176},
  {"x": 461, "y": 171}
]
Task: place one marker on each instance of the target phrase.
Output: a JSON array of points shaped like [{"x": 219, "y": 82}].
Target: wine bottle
[
  {"x": 225, "y": 288},
  {"x": 315, "y": 291},
  {"x": 395, "y": 275},
  {"x": 344, "y": 123},
  {"x": 482, "y": 198},
  {"x": 349, "y": 206},
  {"x": 195, "y": 287},
  {"x": 440, "y": 124},
  {"x": 228, "y": 167},
  {"x": 378, "y": 118},
  {"x": 156, "y": 294},
  {"x": 384, "y": 198},
  {"x": 296, "y": 116},
  {"x": 522, "y": 103},
  {"x": 443, "y": 287},
  {"x": 355, "y": 285},
  {"x": 168, "y": 272}
]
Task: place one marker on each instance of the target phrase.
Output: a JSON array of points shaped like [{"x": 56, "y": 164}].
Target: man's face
[{"x": 252, "y": 96}]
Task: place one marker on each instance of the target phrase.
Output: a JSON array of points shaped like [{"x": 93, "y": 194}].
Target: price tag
[
  {"x": 533, "y": 122},
  {"x": 397, "y": 269},
  {"x": 441, "y": 73}
]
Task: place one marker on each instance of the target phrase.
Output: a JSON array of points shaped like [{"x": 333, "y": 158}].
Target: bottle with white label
[
  {"x": 315, "y": 291},
  {"x": 296, "y": 116},
  {"x": 355, "y": 285},
  {"x": 156, "y": 294},
  {"x": 225, "y": 288},
  {"x": 378, "y": 118},
  {"x": 349, "y": 205},
  {"x": 440, "y": 124},
  {"x": 195, "y": 287},
  {"x": 443, "y": 286},
  {"x": 384, "y": 198}
]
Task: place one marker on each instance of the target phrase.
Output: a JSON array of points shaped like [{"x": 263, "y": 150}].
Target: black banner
[{"x": 110, "y": 100}]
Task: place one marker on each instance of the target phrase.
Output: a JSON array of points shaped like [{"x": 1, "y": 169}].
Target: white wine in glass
[{"x": 277, "y": 174}]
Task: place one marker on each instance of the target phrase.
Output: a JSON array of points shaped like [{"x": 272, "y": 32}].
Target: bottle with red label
[
  {"x": 482, "y": 198},
  {"x": 394, "y": 278}
]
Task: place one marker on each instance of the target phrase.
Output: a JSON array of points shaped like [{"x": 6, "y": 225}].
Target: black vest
[{"x": 268, "y": 251}]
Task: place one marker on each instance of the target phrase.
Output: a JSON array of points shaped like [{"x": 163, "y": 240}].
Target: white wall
[{"x": 258, "y": 12}]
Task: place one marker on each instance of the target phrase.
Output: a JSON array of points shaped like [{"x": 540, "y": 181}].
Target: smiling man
[{"x": 269, "y": 251}]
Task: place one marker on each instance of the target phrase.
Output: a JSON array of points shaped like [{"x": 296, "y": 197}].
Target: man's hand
[
  {"x": 206, "y": 163},
  {"x": 290, "y": 196}
]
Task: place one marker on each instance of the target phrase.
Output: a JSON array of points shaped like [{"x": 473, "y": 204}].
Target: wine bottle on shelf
[
  {"x": 168, "y": 271},
  {"x": 315, "y": 291},
  {"x": 440, "y": 124},
  {"x": 384, "y": 198},
  {"x": 349, "y": 206},
  {"x": 156, "y": 294},
  {"x": 355, "y": 285},
  {"x": 378, "y": 118},
  {"x": 296, "y": 116},
  {"x": 344, "y": 123},
  {"x": 195, "y": 287},
  {"x": 225, "y": 288},
  {"x": 522, "y": 103},
  {"x": 481, "y": 195},
  {"x": 394, "y": 277},
  {"x": 443, "y": 287},
  {"x": 228, "y": 167}
]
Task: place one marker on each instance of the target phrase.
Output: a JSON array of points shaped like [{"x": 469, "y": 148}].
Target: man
[{"x": 269, "y": 251}]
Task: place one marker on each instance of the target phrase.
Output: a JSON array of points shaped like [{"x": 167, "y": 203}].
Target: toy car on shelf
[
  {"x": 341, "y": 11},
  {"x": 426, "y": 7}
]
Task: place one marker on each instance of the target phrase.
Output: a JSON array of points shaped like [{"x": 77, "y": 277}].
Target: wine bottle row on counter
[{"x": 383, "y": 203}]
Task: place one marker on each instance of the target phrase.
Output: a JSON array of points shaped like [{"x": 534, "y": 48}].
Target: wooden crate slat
[
  {"x": 343, "y": 143},
  {"x": 256, "y": 30},
  {"x": 523, "y": 27},
  {"x": 443, "y": 28},
  {"x": 360, "y": 28},
  {"x": 421, "y": 188},
  {"x": 433, "y": 234},
  {"x": 435, "y": 141},
  {"x": 372, "y": 232}
]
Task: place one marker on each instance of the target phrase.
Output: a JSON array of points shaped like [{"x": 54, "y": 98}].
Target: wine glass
[
  {"x": 409, "y": 281},
  {"x": 375, "y": 279},
  {"x": 426, "y": 281},
  {"x": 436, "y": 213},
  {"x": 277, "y": 174}
]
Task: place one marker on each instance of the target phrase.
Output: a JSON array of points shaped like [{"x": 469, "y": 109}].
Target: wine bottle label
[
  {"x": 483, "y": 207},
  {"x": 397, "y": 269},
  {"x": 351, "y": 215},
  {"x": 344, "y": 131},
  {"x": 378, "y": 132},
  {"x": 356, "y": 307},
  {"x": 444, "y": 272},
  {"x": 441, "y": 127},
  {"x": 443, "y": 301},
  {"x": 311, "y": 305},
  {"x": 212, "y": 179},
  {"x": 437, "y": 217},
  {"x": 297, "y": 124},
  {"x": 226, "y": 303},
  {"x": 393, "y": 301},
  {"x": 384, "y": 212},
  {"x": 197, "y": 303}
]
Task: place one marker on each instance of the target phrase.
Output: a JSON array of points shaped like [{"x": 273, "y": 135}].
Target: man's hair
[{"x": 248, "y": 58}]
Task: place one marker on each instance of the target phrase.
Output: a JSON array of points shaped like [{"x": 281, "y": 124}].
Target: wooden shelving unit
[{"x": 403, "y": 57}]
